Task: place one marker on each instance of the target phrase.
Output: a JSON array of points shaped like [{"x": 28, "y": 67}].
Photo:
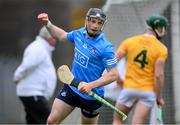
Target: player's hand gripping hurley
[{"x": 65, "y": 76}]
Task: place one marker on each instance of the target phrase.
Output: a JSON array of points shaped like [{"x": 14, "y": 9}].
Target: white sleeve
[{"x": 31, "y": 59}]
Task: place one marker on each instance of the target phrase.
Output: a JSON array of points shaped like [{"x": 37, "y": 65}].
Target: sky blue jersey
[{"x": 91, "y": 57}]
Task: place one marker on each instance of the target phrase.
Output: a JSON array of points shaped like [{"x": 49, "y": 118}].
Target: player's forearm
[
  {"x": 159, "y": 86},
  {"x": 56, "y": 32},
  {"x": 109, "y": 77},
  {"x": 159, "y": 77},
  {"x": 119, "y": 82}
]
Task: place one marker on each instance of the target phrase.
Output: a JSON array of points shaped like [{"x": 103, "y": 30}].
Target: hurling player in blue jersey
[{"x": 93, "y": 53}]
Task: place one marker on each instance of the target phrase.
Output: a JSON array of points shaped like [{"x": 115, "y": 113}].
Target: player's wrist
[
  {"x": 49, "y": 24},
  {"x": 92, "y": 85}
]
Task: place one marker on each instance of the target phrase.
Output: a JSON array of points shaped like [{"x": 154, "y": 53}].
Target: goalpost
[{"x": 127, "y": 17}]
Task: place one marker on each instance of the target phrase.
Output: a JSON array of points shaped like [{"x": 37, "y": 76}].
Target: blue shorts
[{"x": 89, "y": 108}]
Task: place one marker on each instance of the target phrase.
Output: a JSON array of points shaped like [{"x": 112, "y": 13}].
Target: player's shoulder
[
  {"x": 138, "y": 36},
  {"x": 80, "y": 30},
  {"x": 161, "y": 44},
  {"x": 163, "y": 47},
  {"x": 77, "y": 31},
  {"x": 131, "y": 39},
  {"x": 105, "y": 42}
]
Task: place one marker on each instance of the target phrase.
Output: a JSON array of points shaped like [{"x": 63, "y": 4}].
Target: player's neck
[{"x": 151, "y": 33}]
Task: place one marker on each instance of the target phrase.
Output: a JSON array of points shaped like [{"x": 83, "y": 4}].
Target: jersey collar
[
  {"x": 149, "y": 35},
  {"x": 88, "y": 37}
]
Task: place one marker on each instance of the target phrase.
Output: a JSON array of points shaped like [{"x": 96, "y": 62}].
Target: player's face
[
  {"x": 161, "y": 31},
  {"x": 94, "y": 26}
]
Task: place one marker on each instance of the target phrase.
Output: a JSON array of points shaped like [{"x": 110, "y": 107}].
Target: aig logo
[{"x": 81, "y": 58}]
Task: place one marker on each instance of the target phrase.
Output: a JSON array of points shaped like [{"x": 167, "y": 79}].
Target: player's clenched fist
[{"x": 43, "y": 18}]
